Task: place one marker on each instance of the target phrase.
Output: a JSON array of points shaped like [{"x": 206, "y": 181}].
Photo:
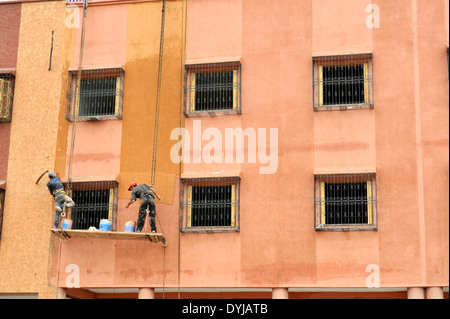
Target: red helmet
[{"x": 131, "y": 186}]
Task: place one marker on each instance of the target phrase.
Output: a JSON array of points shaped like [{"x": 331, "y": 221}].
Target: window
[
  {"x": 210, "y": 204},
  {"x": 345, "y": 202},
  {"x": 98, "y": 96},
  {"x": 343, "y": 82},
  {"x": 2, "y": 203},
  {"x": 212, "y": 89},
  {"x": 6, "y": 96},
  {"x": 93, "y": 201}
]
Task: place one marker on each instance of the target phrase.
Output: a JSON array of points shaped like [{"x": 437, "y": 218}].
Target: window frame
[
  {"x": 112, "y": 186},
  {"x": 2, "y": 209},
  {"x": 186, "y": 203},
  {"x": 7, "y": 81},
  {"x": 319, "y": 62},
  {"x": 73, "y": 94},
  {"x": 320, "y": 201},
  {"x": 190, "y": 88}
]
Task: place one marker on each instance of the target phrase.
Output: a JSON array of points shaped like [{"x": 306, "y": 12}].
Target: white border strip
[
  {"x": 211, "y": 290},
  {"x": 346, "y": 289}
]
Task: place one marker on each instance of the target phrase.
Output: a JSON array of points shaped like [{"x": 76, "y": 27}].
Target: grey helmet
[{"x": 51, "y": 175}]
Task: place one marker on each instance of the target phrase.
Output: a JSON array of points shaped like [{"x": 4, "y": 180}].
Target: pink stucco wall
[
  {"x": 404, "y": 139},
  {"x": 9, "y": 37}
]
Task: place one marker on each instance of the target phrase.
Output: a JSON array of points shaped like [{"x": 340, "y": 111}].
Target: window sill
[
  {"x": 212, "y": 113},
  {"x": 342, "y": 107},
  {"x": 96, "y": 118},
  {"x": 322, "y": 227},
  {"x": 207, "y": 230}
]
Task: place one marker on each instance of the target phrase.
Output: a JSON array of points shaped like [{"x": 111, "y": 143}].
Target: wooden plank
[
  {"x": 76, "y": 233},
  {"x": 59, "y": 234}
]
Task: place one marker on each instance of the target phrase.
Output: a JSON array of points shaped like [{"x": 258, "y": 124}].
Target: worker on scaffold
[
  {"x": 56, "y": 189},
  {"x": 146, "y": 195}
]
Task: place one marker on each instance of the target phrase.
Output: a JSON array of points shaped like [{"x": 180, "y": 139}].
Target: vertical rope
[
  {"x": 183, "y": 58},
  {"x": 156, "y": 126},
  {"x": 72, "y": 146},
  {"x": 158, "y": 92},
  {"x": 77, "y": 97}
]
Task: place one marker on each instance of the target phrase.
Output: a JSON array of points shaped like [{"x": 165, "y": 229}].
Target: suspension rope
[
  {"x": 158, "y": 92},
  {"x": 77, "y": 95},
  {"x": 156, "y": 126},
  {"x": 74, "y": 128},
  {"x": 183, "y": 58}
]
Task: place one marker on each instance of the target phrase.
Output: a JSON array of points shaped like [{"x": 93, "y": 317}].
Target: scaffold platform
[{"x": 66, "y": 234}]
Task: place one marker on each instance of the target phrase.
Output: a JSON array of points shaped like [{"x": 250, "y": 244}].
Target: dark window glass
[
  {"x": 346, "y": 203},
  {"x": 343, "y": 85},
  {"x": 97, "y": 96},
  {"x": 214, "y": 91},
  {"x": 91, "y": 206},
  {"x": 211, "y": 206}
]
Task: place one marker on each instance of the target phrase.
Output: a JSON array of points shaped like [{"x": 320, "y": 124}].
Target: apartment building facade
[{"x": 300, "y": 147}]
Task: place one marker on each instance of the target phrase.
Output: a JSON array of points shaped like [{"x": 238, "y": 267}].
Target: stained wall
[{"x": 38, "y": 99}]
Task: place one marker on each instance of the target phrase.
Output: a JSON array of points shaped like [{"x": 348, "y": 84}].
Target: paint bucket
[
  {"x": 105, "y": 225},
  {"x": 130, "y": 226},
  {"x": 67, "y": 223}
]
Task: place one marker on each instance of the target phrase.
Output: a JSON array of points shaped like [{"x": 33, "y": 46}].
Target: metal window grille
[
  {"x": 343, "y": 82},
  {"x": 98, "y": 97},
  {"x": 93, "y": 201},
  {"x": 345, "y": 202},
  {"x": 210, "y": 204},
  {"x": 212, "y": 89},
  {"x": 2, "y": 203},
  {"x": 6, "y": 96}
]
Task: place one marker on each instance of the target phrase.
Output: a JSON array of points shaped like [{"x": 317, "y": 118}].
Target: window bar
[
  {"x": 105, "y": 98},
  {"x": 88, "y": 87},
  {"x": 102, "y": 98},
  {"x": 93, "y": 202},
  {"x": 108, "y": 91},
  {"x": 2, "y": 200},
  {"x": 98, "y": 98},
  {"x": 6, "y": 96},
  {"x": 95, "y": 93},
  {"x": 111, "y": 93}
]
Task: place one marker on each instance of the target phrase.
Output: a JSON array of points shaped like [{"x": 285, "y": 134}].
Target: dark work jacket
[
  {"x": 140, "y": 191},
  {"x": 54, "y": 185}
]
